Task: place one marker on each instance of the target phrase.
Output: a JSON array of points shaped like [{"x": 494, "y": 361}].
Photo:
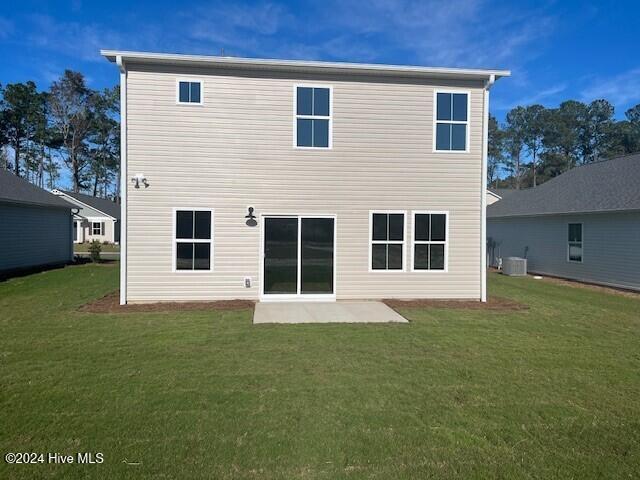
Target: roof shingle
[{"x": 608, "y": 185}]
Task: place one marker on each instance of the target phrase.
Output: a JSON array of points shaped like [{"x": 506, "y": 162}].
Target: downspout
[
  {"x": 123, "y": 180},
  {"x": 483, "y": 191}
]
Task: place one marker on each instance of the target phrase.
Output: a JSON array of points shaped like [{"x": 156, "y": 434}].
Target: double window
[
  {"x": 430, "y": 240},
  {"x": 574, "y": 248},
  {"x": 96, "y": 228},
  {"x": 192, "y": 239},
  {"x": 452, "y": 122},
  {"x": 387, "y": 241},
  {"x": 313, "y": 117},
  {"x": 189, "y": 92}
]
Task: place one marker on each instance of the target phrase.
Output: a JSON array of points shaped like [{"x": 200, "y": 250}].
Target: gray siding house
[
  {"x": 35, "y": 226},
  {"x": 582, "y": 225},
  {"x": 287, "y": 180},
  {"x": 94, "y": 218}
]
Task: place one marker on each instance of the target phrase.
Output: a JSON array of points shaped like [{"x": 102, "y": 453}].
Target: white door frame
[{"x": 298, "y": 297}]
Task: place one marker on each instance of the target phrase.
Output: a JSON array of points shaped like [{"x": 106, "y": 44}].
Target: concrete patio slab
[{"x": 326, "y": 312}]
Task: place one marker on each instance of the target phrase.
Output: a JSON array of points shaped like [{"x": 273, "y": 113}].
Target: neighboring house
[
  {"x": 582, "y": 225},
  {"x": 492, "y": 197},
  {"x": 35, "y": 226},
  {"x": 365, "y": 181},
  {"x": 94, "y": 218}
]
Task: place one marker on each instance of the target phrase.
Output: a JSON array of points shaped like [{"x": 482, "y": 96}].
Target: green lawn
[{"x": 553, "y": 392}]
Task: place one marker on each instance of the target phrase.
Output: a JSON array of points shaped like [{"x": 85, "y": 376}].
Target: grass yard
[
  {"x": 551, "y": 392},
  {"x": 106, "y": 247}
]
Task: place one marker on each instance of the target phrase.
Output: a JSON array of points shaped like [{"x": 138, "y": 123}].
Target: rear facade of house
[
  {"x": 582, "y": 225},
  {"x": 277, "y": 180}
]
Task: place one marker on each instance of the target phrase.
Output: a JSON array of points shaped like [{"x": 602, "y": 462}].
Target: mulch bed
[
  {"x": 492, "y": 303},
  {"x": 111, "y": 304}
]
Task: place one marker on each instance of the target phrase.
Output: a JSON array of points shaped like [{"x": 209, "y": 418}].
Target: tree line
[
  {"x": 70, "y": 127},
  {"x": 536, "y": 143}
]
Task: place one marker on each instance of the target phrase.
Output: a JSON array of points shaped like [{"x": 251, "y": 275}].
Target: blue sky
[{"x": 556, "y": 49}]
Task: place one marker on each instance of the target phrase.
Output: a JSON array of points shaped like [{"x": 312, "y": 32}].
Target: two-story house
[{"x": 286, "y": 180}]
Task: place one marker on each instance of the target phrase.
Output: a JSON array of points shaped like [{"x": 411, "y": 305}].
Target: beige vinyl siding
[{"x": 236, "y": 150}]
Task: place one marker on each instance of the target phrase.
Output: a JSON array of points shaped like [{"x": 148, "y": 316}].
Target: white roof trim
[
  {"x": 60, "y": 193},
  {"x": 303, "y": 65},
  {"x": 494, "y": 194}
]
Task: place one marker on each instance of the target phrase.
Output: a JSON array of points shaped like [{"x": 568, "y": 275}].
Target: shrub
[{"x": 94, "y": 250}]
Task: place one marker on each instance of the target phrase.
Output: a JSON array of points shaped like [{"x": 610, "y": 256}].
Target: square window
[{"x": 189, "y": 92}]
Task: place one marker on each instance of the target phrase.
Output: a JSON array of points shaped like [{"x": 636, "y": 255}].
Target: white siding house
[{"x": 270, "y": 180}]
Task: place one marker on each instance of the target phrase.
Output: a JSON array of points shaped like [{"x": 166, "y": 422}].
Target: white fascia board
[{"x": 304, "y": 65}]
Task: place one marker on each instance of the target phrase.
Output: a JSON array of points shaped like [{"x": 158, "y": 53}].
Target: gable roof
[
  {"x": 605, "y": 186},
  {"x": 302, "y": 65},
  {"x": 14, "y": 189},
  {"x": 103, "y": 205}
]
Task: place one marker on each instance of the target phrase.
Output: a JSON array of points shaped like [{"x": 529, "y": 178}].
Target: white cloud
[{"x": 621, "y": 90}]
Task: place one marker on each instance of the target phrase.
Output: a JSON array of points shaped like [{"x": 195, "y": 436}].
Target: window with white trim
[
  {"x": 574, "y": 247},
  {"x": 96, "y": 228},
  {"x": 189, "y": 92},
  {"x": 430, "y": 240},
  {"x": 452, "y": 121},
  {"x": 387, "y": 241},
  {"x": 313, "y": 117},
  {"x": 192, "y": 239}
]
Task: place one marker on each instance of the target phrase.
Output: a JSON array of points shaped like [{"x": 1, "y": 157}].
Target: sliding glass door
[{"x": 299, "y": 255}]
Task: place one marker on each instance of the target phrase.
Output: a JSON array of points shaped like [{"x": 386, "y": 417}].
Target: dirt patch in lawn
[
  {"x": 493, "y": 303},
  {"x": 111, "y": 304}
]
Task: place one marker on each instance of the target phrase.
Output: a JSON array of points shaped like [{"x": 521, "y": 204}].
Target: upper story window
[
  {"x": 574, "y": 248},
  {"x": 313, "y": 117},
  {"x": 192, "y": 239},
  {"x": 189, "y": 92},
  {"x": 452, "y": 122},
  {"x": 387, "y": 241}
]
